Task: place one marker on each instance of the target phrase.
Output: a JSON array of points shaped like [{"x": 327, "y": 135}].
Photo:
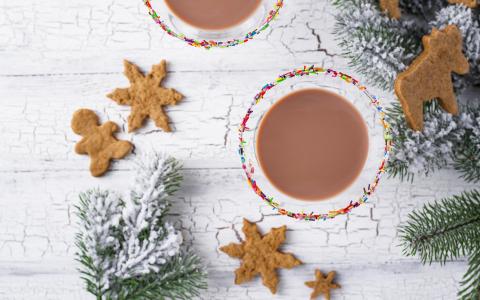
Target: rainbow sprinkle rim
[
  {"x": 215, "y": 44},
  {"x": 367, "y": 191}
]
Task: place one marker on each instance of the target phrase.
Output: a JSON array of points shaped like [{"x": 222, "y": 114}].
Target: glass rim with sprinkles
[
  {"x": 209, "y": 44},
  {"x": 250, "y": 170}
]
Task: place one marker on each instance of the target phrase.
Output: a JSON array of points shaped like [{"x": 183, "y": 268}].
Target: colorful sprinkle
[
  {"x": 215, "y": 44},
  {"x": 367, "y": 191}
]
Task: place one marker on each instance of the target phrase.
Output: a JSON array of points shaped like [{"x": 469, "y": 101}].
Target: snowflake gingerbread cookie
[
  {"x": 260, "y": 255},
  {"x": 146, "y": 96}
]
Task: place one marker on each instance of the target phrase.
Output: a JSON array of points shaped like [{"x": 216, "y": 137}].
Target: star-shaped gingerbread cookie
[
  {"x": 146, "y": 96},
  {"x": 322, "y": 285},
  {"x": 260, "y": 255}
]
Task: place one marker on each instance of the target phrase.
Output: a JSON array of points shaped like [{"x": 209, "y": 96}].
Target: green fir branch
[
  {"x": 448, "y": 229},
  {"x": 445, "y": 229},
  {"x": 471, "y": 280}
]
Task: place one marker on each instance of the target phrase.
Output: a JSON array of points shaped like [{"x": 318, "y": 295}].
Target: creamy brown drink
[
  {"x": 312, "y": 144},
  {"x": 213, "y": 14}
]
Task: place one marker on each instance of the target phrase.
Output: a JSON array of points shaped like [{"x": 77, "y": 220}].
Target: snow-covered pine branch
[
  {"x": 380, "y": 48},
  {"x": 423, "y": 152},
  {"x": 424, "y": 8},
  {"x": 149, "y": 241},
  {"x": 376, "y": 45},
  {"x": 127, "y": 248},
  {"x": 467, "y": 154},
  {"x": 100, "y": 213}
]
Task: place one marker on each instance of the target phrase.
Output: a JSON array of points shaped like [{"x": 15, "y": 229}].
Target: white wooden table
[{"x": 57, "y": 56}]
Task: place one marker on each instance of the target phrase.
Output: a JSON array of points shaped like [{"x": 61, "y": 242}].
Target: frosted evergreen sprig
[
  {"x": 466, "y": 157},
  {"x": 423, "y": 8},
  {"x": 97, "y": 241},
  {"x": 380, "y": 48},
  {"x": 444, "y": 230},
  {"x": 376, "y": 45},
  {"x": 446, "y": 140},
  {"x": 424, "y": 151},
  {"x": 126, "y": 247}
]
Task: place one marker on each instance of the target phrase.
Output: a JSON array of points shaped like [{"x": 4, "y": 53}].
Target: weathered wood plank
[{"x": 58, "y": 56}]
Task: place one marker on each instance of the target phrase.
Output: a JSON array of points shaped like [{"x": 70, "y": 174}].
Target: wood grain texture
[{"x": 58, "y": 56}]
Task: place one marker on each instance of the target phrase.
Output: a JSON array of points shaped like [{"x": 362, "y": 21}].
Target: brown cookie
[
  {"x": 322, "y": 285},
  {"x": 260, "y": 255},
  {"x": 391, "y": 7},
  {"x": 468, "y": 3},
  {"x": 146, "y": 96},
  {"x": 429, "y": 76},
  {"x": 98, "y": 141}
]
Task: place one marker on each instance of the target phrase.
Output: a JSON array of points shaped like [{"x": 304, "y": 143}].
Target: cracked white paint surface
[{"x": 58, "y": 56}]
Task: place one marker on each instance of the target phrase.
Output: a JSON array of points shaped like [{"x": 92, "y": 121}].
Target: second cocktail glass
[{"x": 185, "y": 21}]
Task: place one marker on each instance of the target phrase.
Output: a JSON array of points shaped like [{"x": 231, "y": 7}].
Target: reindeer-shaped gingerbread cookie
[
  {"x": 98, "y": 141},
  {"x": 468, "y": 3},
  {"x": 429, "y": 76}
]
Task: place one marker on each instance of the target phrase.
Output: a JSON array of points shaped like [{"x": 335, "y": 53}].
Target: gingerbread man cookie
[
  {"x": 468, "y": 3},
  {"x": 391, "y": 7},
  {"x": 429, "y": 76},
  {"x": 98, "y": 141},
  {"x": 146, "y": 96}
]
